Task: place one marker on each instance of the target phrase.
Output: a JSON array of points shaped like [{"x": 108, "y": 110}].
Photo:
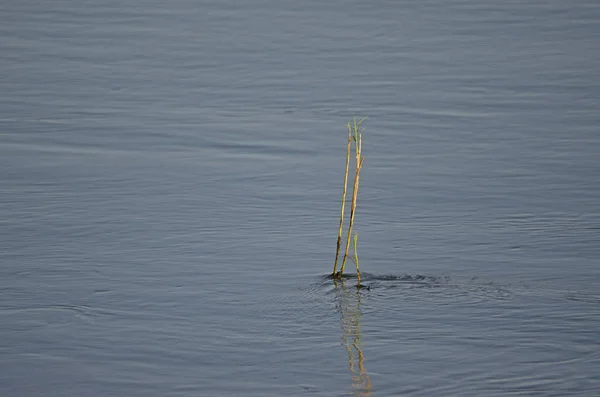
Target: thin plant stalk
[
  {"x": 359, "y": 161},
  {"x": 342, "y": 212},
  {"x": 355, "y": 258},
  {"x": 352, "y": 212}
]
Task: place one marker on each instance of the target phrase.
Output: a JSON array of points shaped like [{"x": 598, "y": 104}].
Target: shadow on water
[
  {"x": 432, "y": 288},
  {"x": 401, "y": 279},
  {"x": 347, "y": 302}
]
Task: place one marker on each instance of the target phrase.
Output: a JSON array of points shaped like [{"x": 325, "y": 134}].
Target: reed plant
[
  {"x": 354, "y": 136},
  {"x": 355, "y": 257}
]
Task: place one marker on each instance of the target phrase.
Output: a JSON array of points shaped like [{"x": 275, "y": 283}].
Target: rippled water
[{"x": 170, "y": 183}]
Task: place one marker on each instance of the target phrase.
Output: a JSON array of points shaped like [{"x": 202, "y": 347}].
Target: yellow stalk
[
  {"x": 352, "y": 212},
  {"x": 355, "y": 258},
  {"x": 359, "y": 161},
  {"x": 339, "y": 239}
]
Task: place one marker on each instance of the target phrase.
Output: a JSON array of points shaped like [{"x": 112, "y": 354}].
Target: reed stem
[
  {"x": 352, "y": 212},
  {"x": 355, "y": 258},
  {"x": 342, "y": 212},
  {"x": 357, "y": 138}
]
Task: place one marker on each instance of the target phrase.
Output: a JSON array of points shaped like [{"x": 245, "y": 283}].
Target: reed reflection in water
[{"x": 347, "y": 301}]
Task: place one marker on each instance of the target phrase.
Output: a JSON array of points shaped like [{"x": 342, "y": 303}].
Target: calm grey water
[{"x": 171, "y": 176}]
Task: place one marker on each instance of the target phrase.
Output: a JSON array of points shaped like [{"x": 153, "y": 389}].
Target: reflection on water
[{"x": 348, "y": 300}]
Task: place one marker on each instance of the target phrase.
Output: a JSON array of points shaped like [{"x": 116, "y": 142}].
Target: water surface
[{"x": 170, "y": 183}]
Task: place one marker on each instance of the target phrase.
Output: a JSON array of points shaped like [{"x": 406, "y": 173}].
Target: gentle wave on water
[{"x": 406, "y": 322}]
